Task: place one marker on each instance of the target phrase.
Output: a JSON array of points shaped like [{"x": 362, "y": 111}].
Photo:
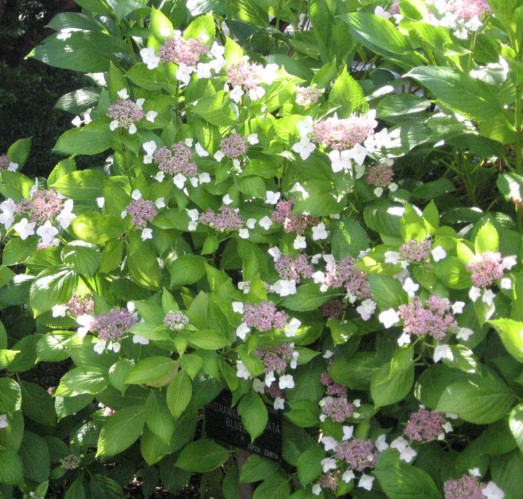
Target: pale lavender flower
[
  {"x": 425, "y": 425},
  {"x": 80, "y": 305},
  {"x": 415, "y": 251},
  {"x": 124, "y": 113},
  {"x": 113, "y": 325},
  {"x": 486, "y": 268},
  {"x": 175, "y": 160},
  {"x": 141, "y": 211},
  {"x": 175, "y": 321},
  {"x": 234, "y": 145},
  {"x": 358, "y": 453},
  {"x": 182, "y": 51},
  {"x": 466, "y": 487},
  {"x": 264, "y": 316},
  {"x": 227, "y": 219}
]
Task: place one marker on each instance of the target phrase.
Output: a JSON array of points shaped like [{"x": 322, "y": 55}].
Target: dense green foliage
[{"x": 312, "y": 205}]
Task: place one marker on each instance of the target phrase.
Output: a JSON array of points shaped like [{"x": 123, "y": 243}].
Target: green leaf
[
  {"x": 159, "y": 23},
  {"x": 96, "y": 228},
  {"x": 216, "y": 110},
  {"x": 111, "y": 257},
  {"x": 309, "y": 464},
  {"x": 35, "y": 457},
  {"x": 144, "y": 267},
  {"x": 308, "y": 297},
  {"x": 356, "y": 372},
  {"x": 431, "y": 190},
  {"x": 77, "y": 101},
  {"x": 11, "y": 468},
  {"x": 506, "y": 473},
  {"x": 510, "y": 333},
  {"x": 152, "y": 370},
  {"x": 256, "y": 469},
  {"x": 93, "y": 138},
  {"x": 275, "y": 487},
  {"x": 515, "y": 422},
  {"x": 52, "y": 286},
  {"x": 119, "y": 372},
  {"x": 80, "y": 380},
  {"x": 121, "y": 430},
  {"x": 11, "y": 437},
  {"x": 122, "y": 8},
  {"x": 76, "y": 490},
  {"x": 402, "y": 481},
  {"x": 347, "y": 93},
  {"x": 208, "y": 339},
  {"x": 187, "y": 269},
  {"x": 460, "y": 92},
  {"x": 84, "y": 185},
  {"x": 511, "y": 186},
  {"x": 202, "y": 456},
  {"x": 201, "y": 24},
  {"x": 487, "y": 239},
  {"x": 159, "y": 419},
  {"x": 149, "y": 79},
  {"x": 37, "y": 404},
  {"x": 254, "y": 414},
  {"x": 19, "y": 151},
  {"x": 433, "y": 381},
  {"x": 103, "y": 486},
  {"x": 390, "y": 386},
  {"x": 304, "y": 413},
  {"x": 387, "y": 292},
  {"x": 52, "y": 347},
  {"x": 26, "y": 357},
  {"x": 18, "y": 251},
  {"x": 82, "y": 257},
  {"x": 478, "y": 400},
  {"x": 10, "y": 395},
  {"x": 179, "y": 393}
]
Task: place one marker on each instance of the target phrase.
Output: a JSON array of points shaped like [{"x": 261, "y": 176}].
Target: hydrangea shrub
[{"x": 301, "y": 213}]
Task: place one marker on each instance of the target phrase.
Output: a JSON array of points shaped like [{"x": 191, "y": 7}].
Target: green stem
[
  {"x": 517, "y": 126},
  {"x": 471, "y": 54}
]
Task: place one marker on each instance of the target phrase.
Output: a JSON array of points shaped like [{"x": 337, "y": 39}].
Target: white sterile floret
[
  {"x": 328, "y": 354},
  {"x": 242, "y": 371},
  {"x": 438, "y": 253},
  {"x": 132, "y": 129},
  {"x": 151, "y": 116},
  {"x": 236, "y": 94},
  {"x": 253, "y": 139},
  {"x": 316, "y": 489},
  {"x": 243, "y": 233},
  {"x": 291, "y": 328},
  {"x": 381, "y": 443},
  {"x": 272, "y": 197},
  {"x": 442, "y": 352},
  {"x": 304, "y": 148},
  {"x": 348, "y": 476},
  {"x": 393, "y": 187},
  {"x": 147, "y": 234},
  {"x": 329, "y": 443},
  {"x": 251, "y": 223},
  {"x": 3, "y": 421},
  {"x": 329, "y": 463},
  {"x": 509, "y": 262},
  {"x": 366, "y": 309},
  {"x": 464, "y": 333},
  {"x": 200, "y": 151},
  {"x": 149, "y": 57},
  {"x": 193, "y": 214},
  {"x": 378, "y": 192},
  {"x": 59, "y": 310},
  {"x": 404, "y": 339},
  {"x": 242, "y": 331},
  {"x": 388, "y": 318},
  {"x": 160, "y": 176},
  {"x": 136, "y": 195},
  {"x": 123, "y": 93},
  {"x": 66, "y": 216},
  {"x": 392, "y": 257},
  {"x": 366, "y": 482},
  {"x": 474, "y": 293},
  {"x": 238, "y": 307},
  {"x": 488, "y": 297},
  {"x": 475, "y": 472},
  {"x": 265, "y": 222},
  {"x": 300, "y": 242},
  {"x": 492, "y": 491},
  {"x": 7, "y": 217},
  {"x": 348, "y": 432},
  {"x": 275, "y": 253},
  {"x": 284, "y": 287},
  {"x": 410, "y": 287},
  {"x": 506, "y": 283},
  {"x": 25, "y": 228},
  {"x": 140, "y": 340},
  {"x": 270, "y": 378},
  {"x": 256, "y": 93},
  {"x": 258, "y": 386},
  {"x": 204, "y": 178},
  {"x": 149, "y": 148},
  {"x": 184, "y": 73},
  {"x": 179, "y": 180},
  {"x": 319, "y": 232},
  {"x": 203, "y": 70},
  {"x": 340, "y": 160},
  {"x": 84, "y": 321},
  {"x": 279, "y": 404},
  {"x": 194, "y": 181},
  {"x": 227, "y": 199},
  {"x": 407, "y": 453},
  {"x": 47, "y": 232},
  {"x": 457, "y": 307}
]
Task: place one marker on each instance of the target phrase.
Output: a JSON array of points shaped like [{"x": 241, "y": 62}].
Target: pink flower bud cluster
[
  {"x": 4, "y": 162},
  {"x": 467, "y": 9},
  {"x": 227, "y": 219},
  {"x": 71, "y": 462},
  {"x": 175, "y": 321},
  {"x": 113, "y": 325},
  {"x": 245, "y": 74},
  {"x": 358, "y": 453},
  {"x": 234, "y": 145},
  {"x": 330, "y": 480},
  {"x": 466, "y": 487},
  {"x": 333, "y": 389},
  {"x": 305, "y": 96},
  {"x": 182, "y": 51},
  {"x": 293, "y": 269},
  {"x": 432, "y": 318},
  {"x": 176, "y": 159},
  {"x": 275, "y": 391},
  {"x": 141, "y": 211},
  {"x": 414, "y": 251},
  {"x": 425, "y": 425},
  {"x": 380, "y": 175},
  {"x": 395, "y": 8},
  {"x": 264, "y": 316},
  {"x": 292, "y": 223},
  {"x": 43, "y": 206},
  {"x": 486, "y": 268},
  {"x": 125, "y": 112},
  {"x": 344, "y": 274},
  {"x": 343, "y": 134},
  {"x": 332, "y": 309},
  {"x": 337, "y": 408},
  {"x": 80, "y": 305},
  {"x": 277, "y": 358}
]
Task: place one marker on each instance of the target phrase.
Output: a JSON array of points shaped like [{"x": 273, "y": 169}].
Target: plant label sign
[{"x": 222, "y": 422}]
